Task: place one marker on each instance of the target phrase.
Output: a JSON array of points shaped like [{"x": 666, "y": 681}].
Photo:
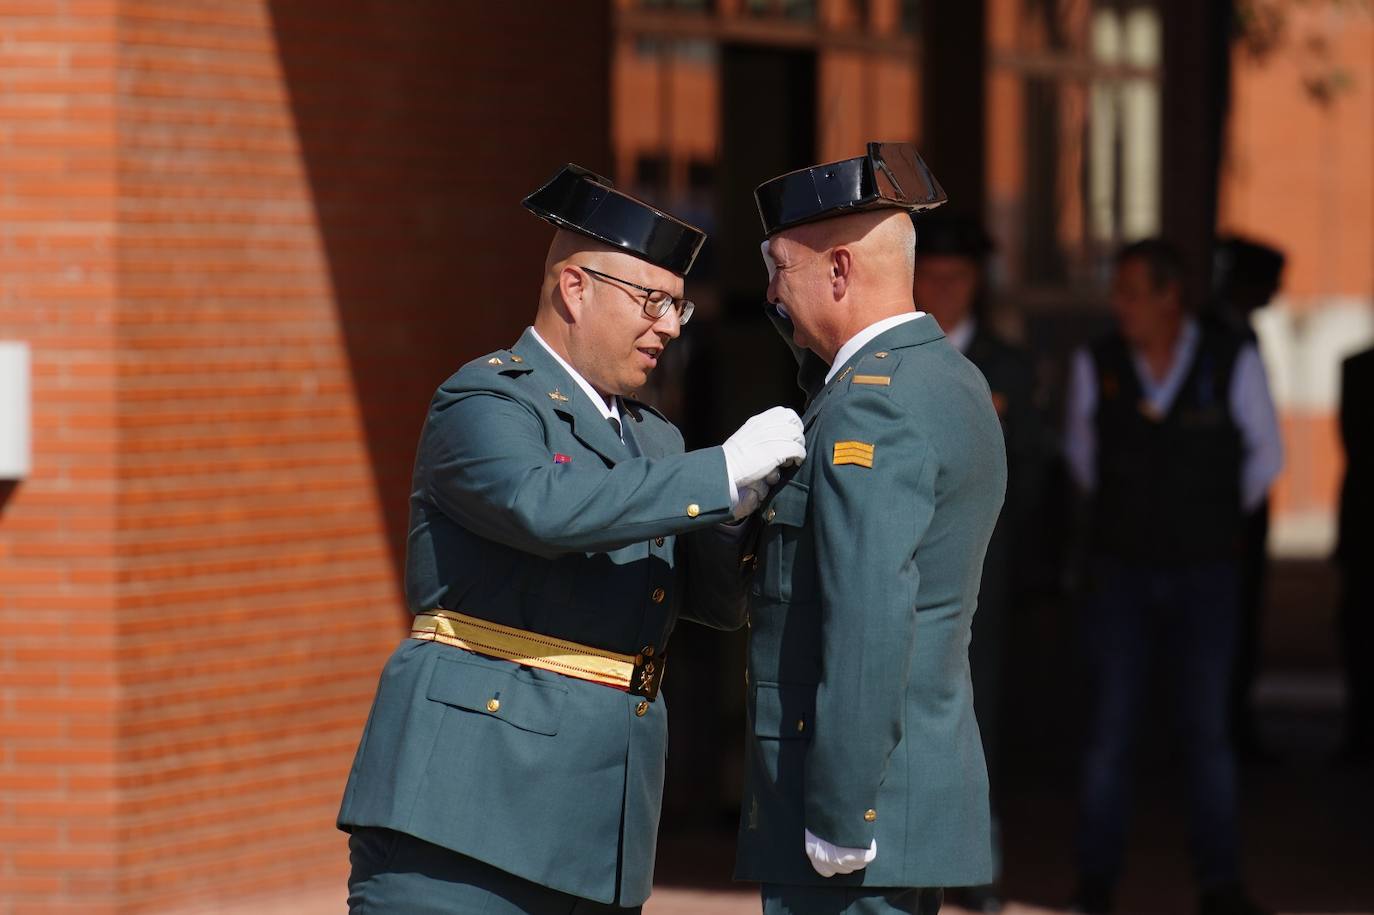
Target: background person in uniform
[
  {"x": 1171, "y": 428},
  {"x": 950, "y": 251},
  {"x": 1355, "y": 553},
  {"x": 1245, "y": 277},
  {"x": 513, "y": 760},
  {"x": 865, "y": 787}
]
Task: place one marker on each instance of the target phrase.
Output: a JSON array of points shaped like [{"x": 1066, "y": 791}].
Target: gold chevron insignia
[
  {"x": 860, "y": 453},
  {"x": 558, "y": 395},
  {"x": 494, "y": 360}
]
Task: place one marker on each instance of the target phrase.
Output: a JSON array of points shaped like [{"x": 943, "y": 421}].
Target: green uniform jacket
[
  {"x": 860, "y": 707},
  {"x": 528, "y": 510}
]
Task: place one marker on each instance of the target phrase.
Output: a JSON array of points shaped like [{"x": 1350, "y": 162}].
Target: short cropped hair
[{"x": 1163, "y": 259}]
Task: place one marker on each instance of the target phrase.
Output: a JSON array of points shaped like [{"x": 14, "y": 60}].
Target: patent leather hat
[
  {"x": 583, "y": 201},
  {"x": 888, "y": 175}
]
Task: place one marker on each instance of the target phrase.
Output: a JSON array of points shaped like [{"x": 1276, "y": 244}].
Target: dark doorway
[
  {"x": 738, "y": 367},
  {"x": 768, "y": 126}
]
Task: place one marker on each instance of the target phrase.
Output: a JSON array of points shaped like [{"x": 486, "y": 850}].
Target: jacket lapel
[
  {"x": 570, "y": 402},
  {"x": 650, "y": 444}
]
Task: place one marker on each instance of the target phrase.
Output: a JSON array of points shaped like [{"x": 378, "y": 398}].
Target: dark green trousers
[
  {"x": 397, "y": 874},
  {"x": 787, "y": 899}
]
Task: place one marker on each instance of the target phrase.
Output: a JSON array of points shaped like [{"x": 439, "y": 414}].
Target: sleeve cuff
[{"x": 730, "y": 480}]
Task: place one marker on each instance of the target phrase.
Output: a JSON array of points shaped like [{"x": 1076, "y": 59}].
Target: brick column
[
  {"x": 245, "y": 240},
  {"x": 59, "y": 560}
]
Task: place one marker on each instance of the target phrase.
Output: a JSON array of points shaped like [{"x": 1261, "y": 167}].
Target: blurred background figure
[
  {"x": 1246, "y": 275},
  {"x": 1354, "y": 552},
  {"x": 949, "y": 285},
  {"x": 1171, "y": 429}
]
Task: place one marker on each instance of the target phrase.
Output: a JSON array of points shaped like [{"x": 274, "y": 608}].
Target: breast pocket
[{"x": 784, "y": 520}]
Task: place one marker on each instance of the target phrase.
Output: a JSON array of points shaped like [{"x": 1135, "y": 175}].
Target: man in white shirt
[{"x": 1171, "y": 432}]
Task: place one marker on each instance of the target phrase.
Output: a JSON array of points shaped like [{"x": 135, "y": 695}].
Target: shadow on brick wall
[{"x": 422, "y": 125}]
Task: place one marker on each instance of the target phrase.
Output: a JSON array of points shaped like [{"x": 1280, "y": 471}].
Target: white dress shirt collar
[
  {"x": 861, "y": 339},
  {"x": 1161, "y": 393},
  {"x": 608, "y": 409}
]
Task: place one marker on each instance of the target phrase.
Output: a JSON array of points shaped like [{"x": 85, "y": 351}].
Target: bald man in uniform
[{"x": 866, "y": 789}]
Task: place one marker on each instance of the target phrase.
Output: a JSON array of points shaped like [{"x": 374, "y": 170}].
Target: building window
[
  {"x": 911, "y": 16},
  {"x": 696, "y": 6},
  {"x": 787, "y": 9},
  {"x": 1074, "y": 136}
]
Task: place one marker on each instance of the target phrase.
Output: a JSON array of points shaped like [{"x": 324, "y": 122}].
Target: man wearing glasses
[{"x": 513, "y": 760}]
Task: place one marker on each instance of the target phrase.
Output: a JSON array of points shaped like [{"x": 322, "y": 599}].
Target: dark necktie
[{"x": 627, "y": 436}]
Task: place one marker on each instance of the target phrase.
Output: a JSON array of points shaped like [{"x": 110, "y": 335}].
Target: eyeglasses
[{"x": 656, "y": 302}]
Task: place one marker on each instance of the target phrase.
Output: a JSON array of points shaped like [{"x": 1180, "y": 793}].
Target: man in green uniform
[
  {"x": 866, "y": 790},
  {"x": 513, "y": 760}
]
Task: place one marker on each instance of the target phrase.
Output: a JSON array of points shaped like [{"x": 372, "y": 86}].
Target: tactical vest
[{"x": 1168, "y": 486}]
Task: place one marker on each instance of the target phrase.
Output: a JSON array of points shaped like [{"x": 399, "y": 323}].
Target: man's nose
[
  {"x": 771, "y": 293},
  {"x": 669, "y": 326}
]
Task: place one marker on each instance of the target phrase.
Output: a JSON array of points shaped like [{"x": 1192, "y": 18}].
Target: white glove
[
  {"x": 829, "y": 860},
  {"x": 764, "y": 443},
  {"x": 751, "y": 496}
]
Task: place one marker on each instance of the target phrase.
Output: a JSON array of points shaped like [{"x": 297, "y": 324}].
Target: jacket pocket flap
[
  {"x": 788, "y": 505},
  {"x": 784, "y": 711},
  {"x": 504, "y": 692}
]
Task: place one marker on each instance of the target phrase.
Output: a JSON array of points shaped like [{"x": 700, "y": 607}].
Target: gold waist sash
[{"x": 634, "y": 673}]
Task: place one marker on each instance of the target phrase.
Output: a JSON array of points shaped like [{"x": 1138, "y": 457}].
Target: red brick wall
[
  {"x": 58, "y": 530},
  {"x": 245, "y": 240}
]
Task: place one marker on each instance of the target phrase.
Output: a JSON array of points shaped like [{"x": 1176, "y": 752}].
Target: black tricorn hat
[
  {"x": 951, "y": 234},
  {"x": 888, "y": 175},
  {"x": 583, "y": 201}
]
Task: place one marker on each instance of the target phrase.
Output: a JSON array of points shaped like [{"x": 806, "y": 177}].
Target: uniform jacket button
[
  {"x": 693, "y": 510},
  {"x": 493, "y": 705},
  {"x": 870, "y": 815},
  {"x": 658, "y": 595},
  {"x": 642, "y": 709}
]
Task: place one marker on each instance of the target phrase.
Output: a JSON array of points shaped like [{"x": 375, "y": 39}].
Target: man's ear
[
  {"x": 841, "y": 271},
  {"x": 572, "y": 289}
]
